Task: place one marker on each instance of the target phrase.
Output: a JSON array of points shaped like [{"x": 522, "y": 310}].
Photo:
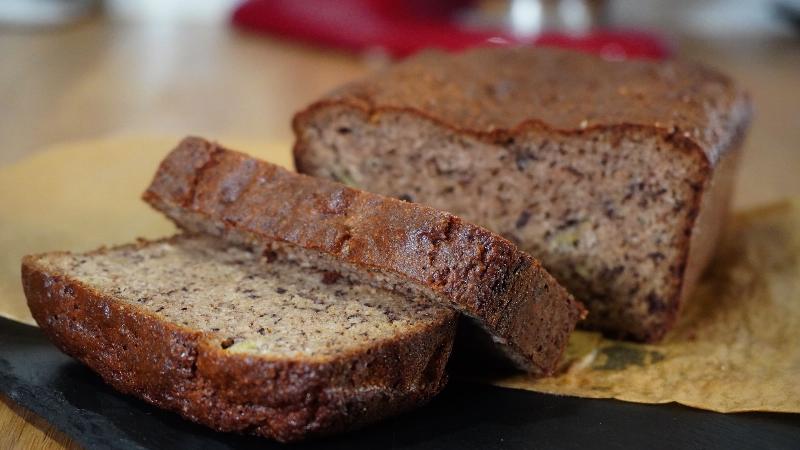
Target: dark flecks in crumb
[
  {"x": 609, "y": 210},
  {"x": 270, "y": 255},
  {"x": 159, "y": 309},
  {"x": 655, "y": 303},
  {"x": 330, "y": 277},
  {"x": 627, "y": 196},
  {"x": 574, "y": 171},
  {"x": 659, "y": 193},
  {"x": 280, "y": 290},
  {"x": 261, "y": 331},
  {"x": 391, "y": 315},
  {"x": 607, "y": 274},
  {"x": 227, "y": 342},
  {"x": 567, "y": 224},
  {"x": 343, "y": 130},
  {"x": 524, "y": 158},
  {"x": 656, "y": 256},
  {"x": 523, "y": 218}
]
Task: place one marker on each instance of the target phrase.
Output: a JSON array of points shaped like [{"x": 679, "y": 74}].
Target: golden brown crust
[
  {"x": 466, "y": 266},
  {"x": 186, "y": 371},
  {"x": 711, "y": 205},
  {"x": 495, "y": 93}
]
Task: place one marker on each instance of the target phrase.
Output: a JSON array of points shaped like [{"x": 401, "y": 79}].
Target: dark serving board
[{"x": 465, "y": 416}]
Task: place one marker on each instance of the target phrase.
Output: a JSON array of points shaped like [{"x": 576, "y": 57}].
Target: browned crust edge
[
  {"x": 469, "y": 267},
  {"x": 681, "y": 142},
  {"x": 186, "y": 371},
  {"x": 711, "y": 206}
]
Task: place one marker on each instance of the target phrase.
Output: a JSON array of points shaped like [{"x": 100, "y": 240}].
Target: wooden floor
[{"x": 100, "y": 78}]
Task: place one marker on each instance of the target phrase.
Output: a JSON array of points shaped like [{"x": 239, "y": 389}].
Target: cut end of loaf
[{"x": 608, "y": 211}]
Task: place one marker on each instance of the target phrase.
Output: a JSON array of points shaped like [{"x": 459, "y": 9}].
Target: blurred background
[{"x": 82, "y": 69}]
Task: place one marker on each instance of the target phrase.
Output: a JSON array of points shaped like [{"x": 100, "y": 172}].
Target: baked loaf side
[
  {"x": 372, "y": 239},
  {"x": 228, "y": 339},
  {"x": 598, "y": 168}
]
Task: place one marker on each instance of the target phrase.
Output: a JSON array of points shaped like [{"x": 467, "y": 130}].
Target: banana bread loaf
[{"x": 616, "y": 175}]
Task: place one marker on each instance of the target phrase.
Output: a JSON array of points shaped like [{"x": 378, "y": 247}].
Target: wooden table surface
[{"x": 103, "y": 77}]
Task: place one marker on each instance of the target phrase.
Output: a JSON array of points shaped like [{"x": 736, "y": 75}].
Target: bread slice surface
[
  {"x": 232, "y": 340},
  {"x": 616, "y": 175},
  {"x": 204, "y": 187}
]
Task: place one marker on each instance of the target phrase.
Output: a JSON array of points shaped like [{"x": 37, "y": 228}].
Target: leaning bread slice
[
  {"x": 373, "y": 239},
  {"x": 226, "y": 338}
]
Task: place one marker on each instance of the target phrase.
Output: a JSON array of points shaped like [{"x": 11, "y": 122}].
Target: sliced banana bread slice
[
  {"x": 377, "y": 240},
  {"x": 231, "y": 340},
  {"x": 615, "y": 174}
]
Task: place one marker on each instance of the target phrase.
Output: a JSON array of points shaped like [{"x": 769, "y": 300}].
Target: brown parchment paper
[
  {"x": 737, "y": 343},
  {"x": 736, "y": 348},
  {"x": 81, "y": 195}
]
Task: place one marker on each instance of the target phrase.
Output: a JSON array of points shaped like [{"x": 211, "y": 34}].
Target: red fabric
[{"x": 401, "y": 28}]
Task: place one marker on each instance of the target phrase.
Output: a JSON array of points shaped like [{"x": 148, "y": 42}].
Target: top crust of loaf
[
  {"x": 499, "y": 92},
  {"x": 464, "y": 266}
]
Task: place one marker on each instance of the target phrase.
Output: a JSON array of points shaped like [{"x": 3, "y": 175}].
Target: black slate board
[{"x": 465, "y": 416}]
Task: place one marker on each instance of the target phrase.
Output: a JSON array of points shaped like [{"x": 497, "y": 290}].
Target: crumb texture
[
  {"x": 250, "y": 305},
  {"x": 627, "y": 200}
]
